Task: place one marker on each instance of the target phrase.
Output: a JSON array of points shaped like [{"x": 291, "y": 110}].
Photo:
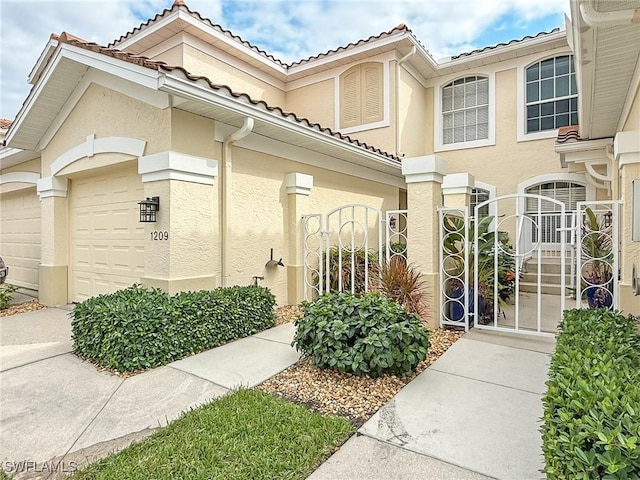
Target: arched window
[
  {"x": 551, "y": 94},
  {"x": 465, "y": 110},
  {"x": 361, "y": 95}
]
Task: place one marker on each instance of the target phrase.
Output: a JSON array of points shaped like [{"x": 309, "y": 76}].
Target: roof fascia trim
[{"x": 204, "y": 94}]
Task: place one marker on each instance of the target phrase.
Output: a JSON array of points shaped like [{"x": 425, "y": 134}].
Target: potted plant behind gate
[
  {"x": 597, "y": 249},
  {"x": 453, "y": 246}
]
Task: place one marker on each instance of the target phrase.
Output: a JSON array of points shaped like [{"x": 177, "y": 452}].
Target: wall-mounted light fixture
[
  {"x": 607, "y": 218},
  {"x": 392, "y": 223},
  {"x": 149, "y": 209}
]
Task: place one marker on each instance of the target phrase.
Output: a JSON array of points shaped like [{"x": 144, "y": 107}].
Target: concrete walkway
[
  {"x": 473, "y": 414},
  {"x": 54, "y": 406}
]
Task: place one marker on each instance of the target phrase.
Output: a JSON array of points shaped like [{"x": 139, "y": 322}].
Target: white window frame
[
  {"x": 385, "y": 99},
  {"x": 521, "y": 120},
  {"x": 438, "y": 123},
  {"x": 492, "y": 194}
]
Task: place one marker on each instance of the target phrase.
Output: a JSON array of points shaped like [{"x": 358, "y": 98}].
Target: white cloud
[{"x": 289, "y": 30}]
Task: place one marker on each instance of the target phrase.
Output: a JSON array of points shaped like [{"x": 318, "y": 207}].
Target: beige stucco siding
[
  {"x": 259, "y": 213},
  {"x": 192, "y": 134},
  {"x": 315, "y": 102},
  {"x": 107, "y": 113},
  {"x": 219, "y": 72},
  {"x": 429, "y": 138},
  {"x": 173, "y": 56},
  {"x": 412, "y": 120},
  {"x": 508, "y": 162}
]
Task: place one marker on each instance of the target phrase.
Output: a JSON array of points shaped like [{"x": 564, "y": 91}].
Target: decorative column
[
  {"x": 181, "y": 245},
  {"x": 298, "y": 187},
  {"x": 424, "y": 176},
  {"x": 54, "y": 241},
  {"x": 626, "y": 149},
  {"x": 457, "y": 189}
]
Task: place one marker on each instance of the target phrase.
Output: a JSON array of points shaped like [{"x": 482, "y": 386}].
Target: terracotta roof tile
[
  {"x": 180, "y": 4},
  {"x": 5, "y": 123},
  {"x": 568, "y": 134},
  {"x": 503, "y": 44},
  {"x": 400, "y": 28},
  {"x": 158, "y": 65}
]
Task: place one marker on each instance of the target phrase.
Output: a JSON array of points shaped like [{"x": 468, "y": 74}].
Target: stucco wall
[
  {"x": 508, "y": 162},
  {"x": 219, "y": 72},
  {"x": 259, "y": 214},
  {"x": 174, "y": 56},
  {"x": 30, "y": 166},
  {"x": 192, "y": 134},
  {"x": 315, "y": 102},
  {"x": 107, "y": 113},
  {"x": 412, "y": 118}
]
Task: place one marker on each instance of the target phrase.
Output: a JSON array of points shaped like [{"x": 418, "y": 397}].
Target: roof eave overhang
[
  {"x": 41, "y": 107},
  {"x": 522, "y": 48},
  {"x": 190, "y": 90},
  {"x": 41, "y": 63}
]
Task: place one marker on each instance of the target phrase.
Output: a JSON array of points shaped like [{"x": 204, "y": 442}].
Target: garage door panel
[
  {"x": 107, "y": 241},
  {"x": 20, "y": 236}
]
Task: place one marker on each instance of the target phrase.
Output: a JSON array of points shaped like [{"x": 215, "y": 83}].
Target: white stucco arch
[
  {"x": 578, "y": 178},
  {"x": 18, "y": 181},
  {"x": 93, "y": 146}
]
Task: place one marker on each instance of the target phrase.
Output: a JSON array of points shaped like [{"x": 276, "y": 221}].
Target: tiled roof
[
  {"x": 568, "y": 134},
  {"x": 400, "y": 28},
  {"x": 5, "y": 123},
  {"x": 157, "y": 65},
  {"x": 503, "y": 44},
  {"x": 180, "y": 4}
]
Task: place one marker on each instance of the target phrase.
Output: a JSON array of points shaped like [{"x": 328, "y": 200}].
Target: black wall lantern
[{"x": 149, "y": 208}]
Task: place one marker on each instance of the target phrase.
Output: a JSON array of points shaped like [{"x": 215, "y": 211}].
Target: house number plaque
[{"x": 159, "y": 235}]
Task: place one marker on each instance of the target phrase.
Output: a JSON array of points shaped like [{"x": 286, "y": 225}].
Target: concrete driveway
[{"x": 55, "y": 407}]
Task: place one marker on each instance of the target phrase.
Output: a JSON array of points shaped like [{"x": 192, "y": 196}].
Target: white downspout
[
  {"x": 225, "y": 186},
  {"x": 397, "y": 99},
  {"x": 594, "y": 18}
]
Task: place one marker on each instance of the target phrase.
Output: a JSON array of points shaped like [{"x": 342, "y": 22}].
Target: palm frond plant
[{"x": 402, "y": 282}]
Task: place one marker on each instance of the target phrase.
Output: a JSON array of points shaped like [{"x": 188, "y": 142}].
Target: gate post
[
  {"x": 424, "y": 177},
  {"x": 457, "y": 189},
  {"x": 298, "y": 187}
]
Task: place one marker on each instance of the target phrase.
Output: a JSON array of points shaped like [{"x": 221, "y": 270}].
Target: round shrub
[{"x": 367, "y": 334}]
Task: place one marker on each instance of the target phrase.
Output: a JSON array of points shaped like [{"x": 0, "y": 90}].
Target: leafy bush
[
  {"x": 401, "y": 282},
  {"x": 6, "y": 294},
  {"x": 592, "y": 405},
  {"x": 367, "y": 334},
  {"x": 138, "y": 327}
]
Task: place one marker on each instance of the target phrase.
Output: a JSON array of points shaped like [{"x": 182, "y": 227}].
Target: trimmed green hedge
[
  {"x": 139, "y": 328},
  {"x": 592, "y": 405},
  {"x": 366, "y": 334}
]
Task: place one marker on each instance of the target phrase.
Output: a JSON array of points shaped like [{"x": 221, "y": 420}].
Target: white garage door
[
  {"x": 20, "y": 236},
  {"x": 107, "y": 240}
]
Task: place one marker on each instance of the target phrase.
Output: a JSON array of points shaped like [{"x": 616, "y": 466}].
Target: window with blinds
[
  {"x": 546, "y": 214},
  {"x": 465, "y": 110},
  {"x": 479, "y": 195},
  {"x": 361, "y": 95}
]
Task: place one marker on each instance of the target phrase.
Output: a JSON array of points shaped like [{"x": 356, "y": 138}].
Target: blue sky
[{"x": 289, "y": 30}]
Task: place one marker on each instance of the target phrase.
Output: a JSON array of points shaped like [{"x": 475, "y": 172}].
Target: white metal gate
[
  {"x": 344, "y": 249},
  {"x": 481, "y": 262},
  {"x": 597, "y": 254}
]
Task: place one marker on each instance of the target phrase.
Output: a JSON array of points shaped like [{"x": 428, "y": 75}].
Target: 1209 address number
[{"x": 160, "y": 235}]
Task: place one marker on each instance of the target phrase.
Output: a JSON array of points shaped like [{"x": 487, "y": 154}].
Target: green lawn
[{"x": 246, "y": 434}]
